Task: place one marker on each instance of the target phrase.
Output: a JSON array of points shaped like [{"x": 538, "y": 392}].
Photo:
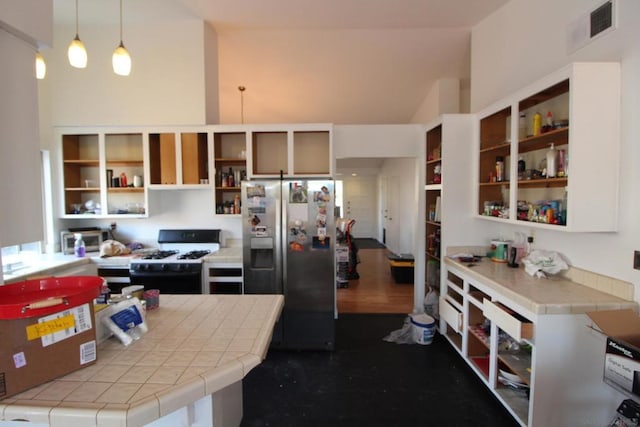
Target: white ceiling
[{"x": 334, "y": 61}]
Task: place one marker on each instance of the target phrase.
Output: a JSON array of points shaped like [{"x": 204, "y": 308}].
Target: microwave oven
[{"x": 92, "y": 240}]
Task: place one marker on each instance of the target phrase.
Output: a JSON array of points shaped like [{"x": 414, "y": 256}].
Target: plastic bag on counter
[
  {"x": 125, "y": 320},
  {"x": 539, "y": 263},
  {"x": 403, "y": 335},
  {"x": 113, "y": 248}
]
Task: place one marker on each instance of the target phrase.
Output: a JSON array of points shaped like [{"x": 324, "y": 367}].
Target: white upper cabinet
[{"x": 558, "y": 170}]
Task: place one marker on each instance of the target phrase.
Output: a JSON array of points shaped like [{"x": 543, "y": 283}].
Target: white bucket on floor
[{"x": 424, "y": 327}]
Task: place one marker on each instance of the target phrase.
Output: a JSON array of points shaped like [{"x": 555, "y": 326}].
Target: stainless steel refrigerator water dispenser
[{"x": 262, "y": 253}]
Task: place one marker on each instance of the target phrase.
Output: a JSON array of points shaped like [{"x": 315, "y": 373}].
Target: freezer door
[
  {"x": 309, "y": 260},
  {"x": 261, "y": 233}
]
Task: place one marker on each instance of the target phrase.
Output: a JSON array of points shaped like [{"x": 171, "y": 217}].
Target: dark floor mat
[
  {"x": 368, "y": 381},
  {"x": 368, "y": 243}
]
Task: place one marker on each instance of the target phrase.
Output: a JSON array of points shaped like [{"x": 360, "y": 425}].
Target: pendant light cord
[
  {"x": 76, "y": 18},
  {"x": 120, "y": 22}
]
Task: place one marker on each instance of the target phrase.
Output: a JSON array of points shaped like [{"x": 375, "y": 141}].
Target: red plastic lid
[{"x": 42, "y": 297}]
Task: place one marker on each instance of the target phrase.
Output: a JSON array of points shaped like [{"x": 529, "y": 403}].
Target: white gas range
[{"x": 176, "y": 267}]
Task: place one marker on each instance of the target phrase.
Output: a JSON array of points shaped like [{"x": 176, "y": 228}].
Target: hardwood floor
[{"x": 375, "y": 291}]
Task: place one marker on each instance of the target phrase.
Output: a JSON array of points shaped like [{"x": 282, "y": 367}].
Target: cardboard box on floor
[
  {"x": 622, "y": 354},
  {"x": 36, "y": 350}
]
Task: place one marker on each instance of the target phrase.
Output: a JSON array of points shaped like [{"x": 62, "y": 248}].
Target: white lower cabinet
[
  {"x": 222, "y": 278},
  {"x": 539, "y": 366}
]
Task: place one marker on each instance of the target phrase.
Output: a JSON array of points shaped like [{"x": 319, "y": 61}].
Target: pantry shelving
[{"x": 580, "y": 105}]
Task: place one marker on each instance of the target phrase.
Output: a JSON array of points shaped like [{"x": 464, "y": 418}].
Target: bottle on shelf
[
  {"x": 561, "y": 164},
  {"x": 230, "y": 178},
  {"x": 499, "y": 168},
  {"x": 551, "y": 162},
  {"x": 236, "y": 204},
  {"x": 78, "y": 246},
  {"x": 548, "y": 125},
  {"x": 522, "y": 168},
  {"x": 123, "y": 179},
  {"x": 537, "y": 124},
  {"x": 522, "y": 126}
]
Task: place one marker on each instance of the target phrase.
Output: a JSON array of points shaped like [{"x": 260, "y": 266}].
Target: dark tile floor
[{"x": 369, "y": 382}]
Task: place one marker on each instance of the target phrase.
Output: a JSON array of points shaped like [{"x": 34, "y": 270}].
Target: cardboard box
[
  {"x": 622, "y": 354},
  {"x": 38, "y": 349}
]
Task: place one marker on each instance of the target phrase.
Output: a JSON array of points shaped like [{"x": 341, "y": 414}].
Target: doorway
[{"x": 371, "y": 196}]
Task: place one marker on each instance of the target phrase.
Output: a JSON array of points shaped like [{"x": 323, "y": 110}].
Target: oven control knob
[{"x": 165, "y": 267}]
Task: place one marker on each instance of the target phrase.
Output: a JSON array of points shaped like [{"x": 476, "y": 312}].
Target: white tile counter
[
  {"x": 197, "y": 345},
  {"x": 225, "y": 255},
  {"x": 47, "y": 265},
  {"x": 571, "y": 293}
]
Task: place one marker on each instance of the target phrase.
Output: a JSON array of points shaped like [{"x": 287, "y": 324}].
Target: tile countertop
[
  {"x": 551, "y": 295},
  {"x": 46, "y": 265},
  {"x": 225, "y": 255},
  {"x": 196, "y": 345}
]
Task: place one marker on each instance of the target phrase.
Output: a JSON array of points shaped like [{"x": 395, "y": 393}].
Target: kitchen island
[{"x": 187, "y": 369}]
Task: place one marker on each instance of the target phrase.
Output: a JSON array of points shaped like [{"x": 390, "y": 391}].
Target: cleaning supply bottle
[
  {"x": 551, "y": 162},
  {"x": 78, "y": 247},
  {"x": 537, "y": 124}
]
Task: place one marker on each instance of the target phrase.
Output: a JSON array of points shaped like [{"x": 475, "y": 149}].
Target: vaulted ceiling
[{"x": 337, "y": 61}]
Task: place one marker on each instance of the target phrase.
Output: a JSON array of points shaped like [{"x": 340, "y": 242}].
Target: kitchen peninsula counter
[
  {"x": 577, "y": 291},
  {"x": 196, "y": 353}
]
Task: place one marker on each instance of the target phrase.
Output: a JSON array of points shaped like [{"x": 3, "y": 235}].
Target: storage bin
[{"x": 47, "y": 330}]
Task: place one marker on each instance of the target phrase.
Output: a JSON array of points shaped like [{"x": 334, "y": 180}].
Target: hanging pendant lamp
[
  {"x": 121, "y": 59},
  {"x": 41, "y": 67},
  {"x": 77, "y": 52}
]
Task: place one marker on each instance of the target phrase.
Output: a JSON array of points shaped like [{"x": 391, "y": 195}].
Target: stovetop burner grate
[
  {"x": 160, "y": 254},
  {"x": 196, "y": 254}
]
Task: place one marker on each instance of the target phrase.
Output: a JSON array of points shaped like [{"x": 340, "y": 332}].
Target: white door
[
  {"x": 360, "y": 201},
  {"x": 392, "y": 226}
]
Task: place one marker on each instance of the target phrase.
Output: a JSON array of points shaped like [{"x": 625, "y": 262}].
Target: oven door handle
[{"x": 157, "y": 274}]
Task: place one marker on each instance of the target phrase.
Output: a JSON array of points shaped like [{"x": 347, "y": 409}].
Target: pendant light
[
  {"x": 76, "y": 52},
  {"x": 121, "y": 59},
  {"x": 41, "y": 67}
]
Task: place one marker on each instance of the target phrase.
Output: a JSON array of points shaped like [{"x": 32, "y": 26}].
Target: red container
[
  {"x": 41, "y": 297},
  {"x": 47, "y": 330}
]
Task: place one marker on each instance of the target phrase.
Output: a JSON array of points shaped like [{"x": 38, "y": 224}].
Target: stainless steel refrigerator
[{"x": 288, "y": 233}]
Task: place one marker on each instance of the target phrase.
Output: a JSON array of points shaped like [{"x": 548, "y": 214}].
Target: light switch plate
[{"x": 636, "y": 260}]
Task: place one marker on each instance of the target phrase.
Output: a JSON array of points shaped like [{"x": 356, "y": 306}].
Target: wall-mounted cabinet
[
  {"x": 96, "y": 161},
  {"x": 124, "y": 160},
  {"x": 179, "y": 160},
  {"x": 548, "y": 154},
  {"x": 230, "y": 159},
  {"x": 293, "y": 150},
  {"x": 102, "y": 174}
]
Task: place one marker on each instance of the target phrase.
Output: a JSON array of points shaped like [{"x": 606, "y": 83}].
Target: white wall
[
  {"x": 376, "y": 141},
  {"x": 443, "y": 98},
  {"x": 21, "y": 218},
  {"x": 166, "y": 85},
  {"x": 519, "y": 44},
  {"x": 20, "y": 17}
]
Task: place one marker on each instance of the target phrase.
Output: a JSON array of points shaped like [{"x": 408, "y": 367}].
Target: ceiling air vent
[
  {"x": 591, "y": 25},
  {"x": 601, "y": 19}
]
